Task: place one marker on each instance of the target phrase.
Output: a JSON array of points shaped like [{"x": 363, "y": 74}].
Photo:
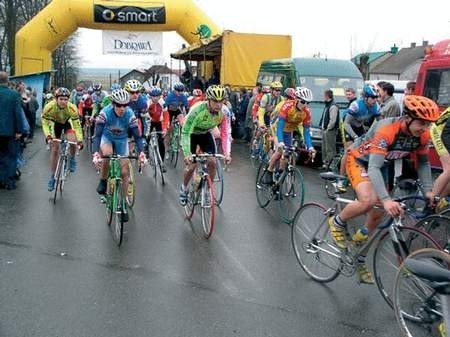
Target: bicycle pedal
[{"x": 103, "y": 199}]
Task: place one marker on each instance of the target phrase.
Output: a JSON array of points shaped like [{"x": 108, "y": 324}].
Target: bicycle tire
[
  {"x": 438, "y": 226},
  {"x": 218, "y": 183},
  {"x": 388, "y": 256},
  {"x": 57, "y": 175},
  {"x": 264, "y": 192},
  {"x": 159, "y": 162},
  {"x": 207, "y": 206},
  {"x": 110, "y": 190},
  {"x": 130, "y": 197},
  {"x": 175, "y": 145},
  {"x": 291, "y": 194},
  {"x": 191, "y": 202},
  {"x": 311, "y": 220},
  {"x": 119, "y": 209},
  {"x": 413, "y": 314}
]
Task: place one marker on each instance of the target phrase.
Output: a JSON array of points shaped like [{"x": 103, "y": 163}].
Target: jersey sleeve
[
  {"x": 75, "y": 121},
  {"x": 47, "y": 120},
  {"x": 186, "y": 132}
]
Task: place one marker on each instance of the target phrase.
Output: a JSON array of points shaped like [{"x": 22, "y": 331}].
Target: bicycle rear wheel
[
  {"x": 130, "y": 196},
  {"x": 159, "y": 162},
  {"x": 264, "y": 191},
  {"x": 416, "y": 305},
  {"x": 438, "y": 226},
  {"x": 291, "y": 194},
  {"x": 191, "y": 202},
  {"x": 174, "y": 146},
  {"x": 118, "y": 211},
  {"x": 313, "y": 246},
  {"x": 388, "y": 255},
  {"x": 218, "y": 183},
  {"x": 207, "y": 206},
  {"x": 110, "y": 197}
]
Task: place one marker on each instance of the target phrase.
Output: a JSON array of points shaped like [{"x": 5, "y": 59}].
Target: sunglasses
[
  {"x": 279, "y": 90},
  {"x": 304, "y": 102},
  {"x": 121, "y": 105},
  {"x": 134, "y": 92}
]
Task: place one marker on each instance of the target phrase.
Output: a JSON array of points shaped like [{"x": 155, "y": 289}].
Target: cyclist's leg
[
  {"x": 106, "y": 149},
  {"x": 158, "y": 127}
]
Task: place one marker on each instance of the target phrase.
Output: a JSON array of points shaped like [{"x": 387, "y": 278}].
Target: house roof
[
  {"x": 398, "y": 63},
  {"x": 372, "y": 56},
  {"x": 133, "y": 71},
  {"x": 158, "y": 69}
]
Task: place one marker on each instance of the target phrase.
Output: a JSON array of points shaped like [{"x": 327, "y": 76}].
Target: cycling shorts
[
  {"x": 59, "y": 128},
  {"x": 205, "y": 141},
  {"x": 356, "y": 172},
  {"x": 173, "y": 114},
  {"x": 120, "y": 145}
]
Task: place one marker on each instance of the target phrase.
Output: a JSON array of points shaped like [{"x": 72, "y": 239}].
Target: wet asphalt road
[{"x": 62, "y": 275}]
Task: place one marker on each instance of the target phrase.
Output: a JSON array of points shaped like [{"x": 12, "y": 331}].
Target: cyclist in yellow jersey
[
  {"x": 60, "y": 115},
  {"x": 440, "y": 135}
]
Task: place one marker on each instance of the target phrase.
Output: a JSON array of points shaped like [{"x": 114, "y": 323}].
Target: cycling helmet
[
  {"x": 133, "y": 85},
  {"x": 97, "y": 87},
  {"x": 48, "y": 96},
  {"x": 85, "y": 97},
  {"x": 265, "y": 89},
  {"x": 79, "y": 87},
  {"x": 155, "y": 91},
  {"x": 62, "y": 92},
  {"x": 178, "y": 86},
  {"x": 197, "y": 92},
  {"x": 115, "y": 86},
  {"x": 120, "y": 96},
  {"x": 90, "y": 90},
  {"x": 420, "y": 107},
  {"x": 289, "y": 93},
  {"x": 303, "y": 93},
  {"x": 215, "y": 93},
  {"x": 370, "y": 91},
  {"x": 276, "y": 85}
]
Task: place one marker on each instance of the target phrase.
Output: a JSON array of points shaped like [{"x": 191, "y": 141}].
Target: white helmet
[
  {"x": 304, "y": 94},
  {"x": 120, "y": 96}
]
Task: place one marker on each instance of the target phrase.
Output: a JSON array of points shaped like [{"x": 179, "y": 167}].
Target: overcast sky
[{"x": 336, "y": 29}]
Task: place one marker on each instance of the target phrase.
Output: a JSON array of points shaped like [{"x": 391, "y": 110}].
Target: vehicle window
[
  {"x": 319, "y": 84},
  {"x": 437, "y": 86},
  {"x": 266, "y": 78}
]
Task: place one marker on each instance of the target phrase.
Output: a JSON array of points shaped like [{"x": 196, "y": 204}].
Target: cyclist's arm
[
  {"x": 262, "y": 111},
  {"x": 139, "y": 141},
  {"x": 376, "y": 161},
  {"x": 348, "y": 126},
  {"x": 166, "y": 119},
  {"x": 225, "y": 136},
  {"x": 186, "y": 132},
  {"x": 307, "y": 137},
  {"x": 47, "y": 121},
  {"x": 99, "y": 126},
  {"x": 424, "y": 172},
  {"x": 75, "y": 122}
]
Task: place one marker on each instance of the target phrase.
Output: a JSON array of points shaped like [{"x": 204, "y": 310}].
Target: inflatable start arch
[{"x": 59, "y": 19}]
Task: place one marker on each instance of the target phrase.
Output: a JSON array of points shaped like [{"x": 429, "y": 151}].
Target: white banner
[{"x": 132, "y": 43}]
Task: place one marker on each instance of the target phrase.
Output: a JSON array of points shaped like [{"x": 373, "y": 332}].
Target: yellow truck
[{"x": 235, "y": 57}]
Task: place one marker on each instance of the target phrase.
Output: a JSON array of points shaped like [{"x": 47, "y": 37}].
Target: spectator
[
  {"x": 350, "y": 94},
  {"x": 12, "y": 126},
  {"x": 329, "y": 124},
  {"x": 389, "y": 107},
  {"x": 410, "y": 87},
  {"x": 249, "y": 113}
]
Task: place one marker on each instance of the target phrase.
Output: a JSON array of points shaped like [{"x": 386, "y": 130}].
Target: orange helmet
[{"x": 420, "y": 107}]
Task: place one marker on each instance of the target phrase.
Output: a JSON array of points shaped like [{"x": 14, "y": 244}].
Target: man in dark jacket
[
  {"x": 12, "y": 125},
  {"x": 329, "y": 124}
]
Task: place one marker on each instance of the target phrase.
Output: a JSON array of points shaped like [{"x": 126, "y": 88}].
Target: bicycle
[
  {"x": 154, "y": 156},
  {"x": 174, "y": 142},
  {"x": 261, "y": 149},
  {"x": 116, "y": 204},
  {"x": 218, "y": 179},
  {"x": 287, "y": 188},
  {"x": 62, "y": 166},
  {"x": 312, "y": 241},
  {"x": 201, "y": 192},
  {"x": 88, "y": 132},
  {"x": 422, "y": 294}
]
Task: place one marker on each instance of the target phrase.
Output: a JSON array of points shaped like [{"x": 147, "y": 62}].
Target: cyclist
[
  {"x": 355, "y": 118},
  {"x": 85, "y": 108},
  {"x": 98, "y": 95},
  {"x": 440, "y": 135},
  {"x": 197, "y": 96},
  {"x": 159, "y": 118},
  {"x": 268, "y": 103},
  {"x": 111, "y": 134},
  {"x": 60, "y": 115},
  {"x": 76, "y": 94},
  {"x": 138, "y": 103},
  {"x": 197, "y": 138},
  {"x": 294, "y": 114},
  {"x": 388, "y": 139},
  {"x": 177, "y": 106}
]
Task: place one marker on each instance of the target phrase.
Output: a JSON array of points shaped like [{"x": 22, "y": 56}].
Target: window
[
  {"x": 266, "y": 78},
  {"x": 338, "y": 85},
  {"x": 437, "y": 86}
]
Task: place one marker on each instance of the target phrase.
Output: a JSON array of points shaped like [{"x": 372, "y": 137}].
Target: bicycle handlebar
[
  {"x": 65, "y": 141},
  {"x": 200, "y": 156}
]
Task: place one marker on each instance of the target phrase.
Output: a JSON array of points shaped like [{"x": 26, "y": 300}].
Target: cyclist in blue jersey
[
  {"x": 111, "y": 131},
  {"x": 177, "y": 105}
]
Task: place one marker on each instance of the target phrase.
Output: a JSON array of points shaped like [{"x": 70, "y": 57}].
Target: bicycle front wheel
[
  {"x": 58, "y": 178},
  {"x": 174, "y": 146},
  {"x": 118, "y": 214},
  {"x": 130, "y": 196},
  {"x": 110, "y": 197},
  {"x": 417, "y": 307},
  {"x": 313, "y": 246},
  {"x": 218, "y": 183},
  {"x": 207, "y": 207},
  {"x": 389, "y": 254},
  {"x": 264, "y": 191},
  {"x": 159, "y": 161},
  {"x": 291, "y": 194},
  {"x": 438, "y": 226}
]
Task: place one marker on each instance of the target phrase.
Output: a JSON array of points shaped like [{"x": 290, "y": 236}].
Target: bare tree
[{"x": 66, "y": 63}]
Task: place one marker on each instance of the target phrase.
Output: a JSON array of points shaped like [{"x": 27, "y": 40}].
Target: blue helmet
[
  {"x": 370, "y": 91},
  {"x": 178, "y": 86},
  {"x": 115, "y": 86},
  {"x": 97, "y": 86},
  {"x": 155, "y": 91}
]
